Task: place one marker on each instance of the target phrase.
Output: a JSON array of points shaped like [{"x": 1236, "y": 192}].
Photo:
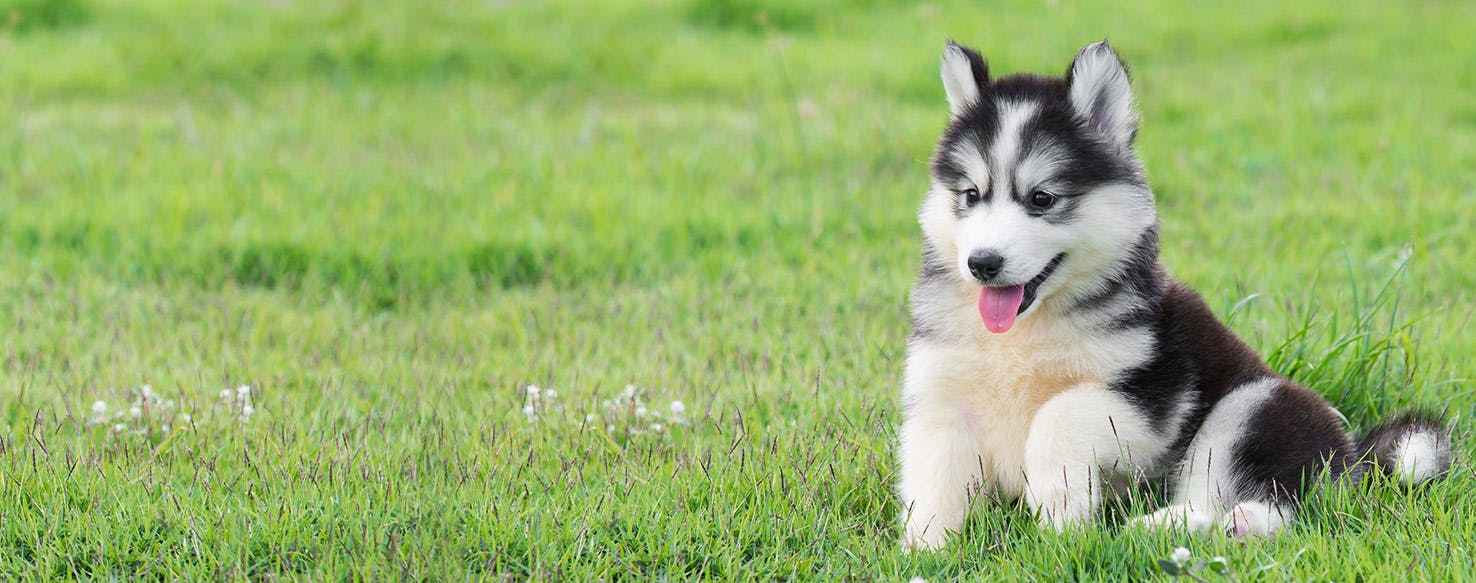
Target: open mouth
[{"x": 999, "y": 305}]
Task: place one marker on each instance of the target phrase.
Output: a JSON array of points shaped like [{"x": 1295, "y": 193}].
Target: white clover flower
[
  {"x": 630, "y": 391},
  {"x": 185, "y": 417},
  {"x": 164, "y": 428},
  {"x": 135, "y": 411},
  {"x": 247, "y": 410},
  {"x": 243, "y": 390},
  {"x": 588, "y": 417},
  {"x": 225, "y": 393},
  {"x": 533, "y": 390},
  {"x": 120, "y": 427},
  {"x": 1180, "y": 556},
  {"x": 146, "y": 390},
  {"x": 657, "y": 427},
  {"x": 99, "y": 408},
  {"x": 528, "y": 410},
  {"x": 640, "y": 411},
  {"x": 552, "y": 393},
  {"x": 677, "y": 408}
]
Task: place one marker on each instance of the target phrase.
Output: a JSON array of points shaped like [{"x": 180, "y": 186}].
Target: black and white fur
[{"x": 1115, "y": 370}]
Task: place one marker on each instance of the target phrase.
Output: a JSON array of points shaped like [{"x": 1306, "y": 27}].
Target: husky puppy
[{"x": 1051, "y": 354}]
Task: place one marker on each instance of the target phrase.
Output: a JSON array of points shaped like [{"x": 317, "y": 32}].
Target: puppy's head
[{"x": 1035, "y": 188}]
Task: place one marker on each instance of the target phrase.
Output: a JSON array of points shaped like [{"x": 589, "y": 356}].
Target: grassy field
[{"x": 276, "y": 278}]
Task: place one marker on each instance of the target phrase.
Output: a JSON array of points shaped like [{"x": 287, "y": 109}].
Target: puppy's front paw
[
  {"x": 1260, "y": 519},
  {"x": 1058, "y": 507},
  {"x": 1175, "y": 516}
]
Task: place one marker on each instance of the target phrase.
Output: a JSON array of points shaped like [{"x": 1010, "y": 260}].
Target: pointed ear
[
  {"x": 1101, "y": 95},
  {"x": 964, "y": 74}
]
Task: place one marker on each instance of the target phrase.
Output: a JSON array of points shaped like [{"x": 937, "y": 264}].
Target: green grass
[{"x": 390, "y": 218}]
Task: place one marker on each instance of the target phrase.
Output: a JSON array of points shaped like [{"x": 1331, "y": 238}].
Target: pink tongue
[{"x": 998, "y": 306}]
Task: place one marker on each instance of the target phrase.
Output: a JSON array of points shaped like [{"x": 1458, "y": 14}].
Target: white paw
[
  {"x": 1058, "y": 508},
  {"x": 1255, "y": 519},
  {"x": 1175, "y": 516}
]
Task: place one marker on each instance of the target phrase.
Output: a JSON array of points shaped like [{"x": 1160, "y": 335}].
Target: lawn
[{"x": 618, "y": 290}]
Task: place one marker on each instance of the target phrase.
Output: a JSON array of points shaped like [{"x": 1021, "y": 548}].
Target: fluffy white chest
[{"x": 990, "y": 386}]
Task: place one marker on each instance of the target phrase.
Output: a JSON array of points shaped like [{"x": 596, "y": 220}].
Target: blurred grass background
[{"x": 391, "y": 217}]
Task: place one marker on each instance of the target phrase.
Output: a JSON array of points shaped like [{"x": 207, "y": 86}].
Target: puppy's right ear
[{"x": 964, "y": 75}]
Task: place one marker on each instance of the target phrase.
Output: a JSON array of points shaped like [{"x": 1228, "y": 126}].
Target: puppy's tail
[{"x": 1413, "y": 447}]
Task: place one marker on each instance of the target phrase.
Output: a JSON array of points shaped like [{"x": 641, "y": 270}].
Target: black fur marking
[
  {"x": 934, "y": 270},
  {"x": 977, "y": 126},
  {"x": 1064, "y": 212},
  {"x": 961, "y": 206},
  {"x": 934, "y": 265},
  {"x": 922, "y": 330},
  {"x": 1138, "y": 318},
  {"x": 1137, "y": 276},
  {"x": 1288, "y": 443},
  {"x": 948, "y": 172},
  {"x": 1223, "y": 360},
  {"x": 1034, "y": 284},
  {"x": 1156, "y": 387},
  {"x": 1111, "y": 288},
  {"x": 1085, "y": 161},
  {"x": 1193, "y": 352}
]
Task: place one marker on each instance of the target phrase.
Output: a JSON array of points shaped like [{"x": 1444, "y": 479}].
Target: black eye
[
  {"x": 971, "y": 197},
  {"x": 1042, "y": 200}
]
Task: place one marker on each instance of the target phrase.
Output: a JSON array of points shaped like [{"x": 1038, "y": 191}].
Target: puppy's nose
[{"x": 985, "y": 264}]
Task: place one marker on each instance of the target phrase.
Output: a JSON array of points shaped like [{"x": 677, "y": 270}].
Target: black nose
[{"x": 985, "y": 264}]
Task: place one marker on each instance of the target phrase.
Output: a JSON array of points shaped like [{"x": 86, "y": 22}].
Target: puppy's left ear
[
  {"x": 1101, "y": 95},
  {"x": 964, "y": 75}
]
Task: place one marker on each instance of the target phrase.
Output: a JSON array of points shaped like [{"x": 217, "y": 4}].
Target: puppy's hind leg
[
  {"x": 1250, "y": 461},
  {"x": 1292, "y": 441},
  {"x": 1208, "y": 477}
]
